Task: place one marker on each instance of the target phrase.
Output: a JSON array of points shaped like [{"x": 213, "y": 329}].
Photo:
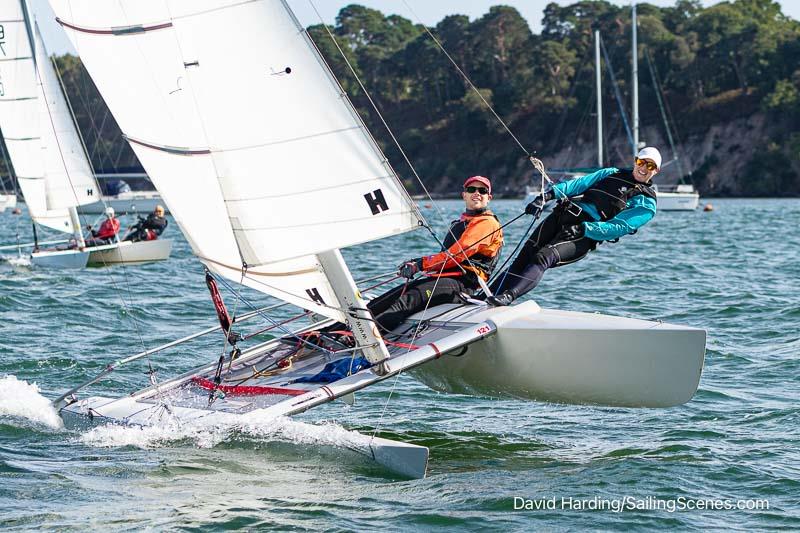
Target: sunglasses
[
  {"x": 471, "y": 189},
  {"x": 649, "y": 164}
]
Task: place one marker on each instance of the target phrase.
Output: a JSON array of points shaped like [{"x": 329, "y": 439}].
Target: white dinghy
[
  {"x": 271, "y": 142},
  {"x": 46, "y": 150}
]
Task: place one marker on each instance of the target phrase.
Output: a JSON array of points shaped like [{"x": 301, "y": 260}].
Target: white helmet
[
  {"x": 651, "y": 153},
  {"x": 110, "y": 212}
]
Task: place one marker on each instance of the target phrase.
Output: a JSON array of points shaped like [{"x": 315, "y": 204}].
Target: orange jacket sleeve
[{"x": 482, "y": 236}]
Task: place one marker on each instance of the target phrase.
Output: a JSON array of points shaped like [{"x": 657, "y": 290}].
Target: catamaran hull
[
  {"x": 130, "y": 252},
  {"x": 570, "y": 357},
  {"x": 60, "y": 259},
  {"x": 7, "y": 201},
  {"x": 407, "y": 460},
  {"x": 138, "y": 202},
  {"x": 677, "y": 201}
]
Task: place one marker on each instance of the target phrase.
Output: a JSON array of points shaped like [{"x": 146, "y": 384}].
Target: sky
[{"x": 428, "y": 12}]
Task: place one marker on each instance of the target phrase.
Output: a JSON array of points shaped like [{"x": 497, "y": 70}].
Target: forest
[{"x": 733, "y": 68}]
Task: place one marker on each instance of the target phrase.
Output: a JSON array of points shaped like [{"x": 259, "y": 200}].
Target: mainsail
[
  {"x": 43, "y": 143},
  {"x": 248, "y": 137},
  {"x": 19, "y": 114},
  {"x": 68, "y": 174}
]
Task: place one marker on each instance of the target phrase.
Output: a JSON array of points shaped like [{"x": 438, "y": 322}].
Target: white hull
[
  {"x": 677, "y": 201},
  {"x": 577, "y": 358},
  {"x": 130, "y": 252},
  {"x": 520, "y": 351},
  {"x": 408, "y": 460},
  {"x": 133, "y": 202},
  {"x": 60, "y": 258},
  {"x": 7, "y": 201}
]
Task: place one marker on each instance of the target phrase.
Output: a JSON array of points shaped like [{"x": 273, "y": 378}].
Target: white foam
[
  {"x": 18, "y": 260},
  {"x": 22, "y": 400},
  {"x": 209, "y": 433}
]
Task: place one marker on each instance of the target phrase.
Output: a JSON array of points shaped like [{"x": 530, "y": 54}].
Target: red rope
[{"x": 245, "y": 390}]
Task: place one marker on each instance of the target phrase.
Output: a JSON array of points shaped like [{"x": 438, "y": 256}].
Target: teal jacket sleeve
[
  {"x": 577, "y": 186},
  {"x": 638, "y": 212}
]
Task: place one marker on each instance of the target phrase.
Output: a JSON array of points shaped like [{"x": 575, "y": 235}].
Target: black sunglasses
[{"x": 471, "y": 189}]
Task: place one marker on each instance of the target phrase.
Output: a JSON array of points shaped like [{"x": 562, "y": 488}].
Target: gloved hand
[
  {"x": 571, "y": 233},
  {"x": 537, "y": 205},
  {"x": 409, "y": 268}
]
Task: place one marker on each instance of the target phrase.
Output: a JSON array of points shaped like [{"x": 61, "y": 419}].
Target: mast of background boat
[
  {"x": 635, "y": 82},
  {"x": 598, "y": 79}
]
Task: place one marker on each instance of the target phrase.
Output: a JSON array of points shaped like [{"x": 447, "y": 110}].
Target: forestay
[
  {"x": 68, "y": 175},
  {"x": 248, "y": 137},
  {"x": 20, "y": 110}
]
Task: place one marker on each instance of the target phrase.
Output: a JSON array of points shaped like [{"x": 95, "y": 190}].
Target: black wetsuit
[{"x": 156, "y": 224}]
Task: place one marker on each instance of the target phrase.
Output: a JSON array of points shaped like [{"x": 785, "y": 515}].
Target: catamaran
[
  {"x": 47, "y": 153},
  {"x": 285, "y": 174}
]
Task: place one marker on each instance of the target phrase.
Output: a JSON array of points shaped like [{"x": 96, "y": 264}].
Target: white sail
[
  {"x": 20, "y": 115},
  {"x": 69, "y": 177},
  {"x": 257, "y": 152}
]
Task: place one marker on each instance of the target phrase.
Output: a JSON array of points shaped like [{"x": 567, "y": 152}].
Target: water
[{"x": 733, "y": 272}]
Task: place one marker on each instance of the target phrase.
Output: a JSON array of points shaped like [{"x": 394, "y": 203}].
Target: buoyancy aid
[
  {"x": 610, "y": 195},
  {"x": 473, "y": 243}
]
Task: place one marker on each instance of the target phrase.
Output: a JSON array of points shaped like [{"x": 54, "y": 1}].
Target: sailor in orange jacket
[{"x": 471, "y": 249}]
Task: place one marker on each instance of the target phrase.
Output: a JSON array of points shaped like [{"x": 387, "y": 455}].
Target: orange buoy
[
  {"x": 708, "y": 207},
  {"x": 427, "y": 206}
]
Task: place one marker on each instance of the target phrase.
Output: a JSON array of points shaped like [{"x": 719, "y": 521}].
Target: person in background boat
[
  {"x": 107, "y": 232},
  {"x": 615, "y": 203},
  {"x": 471, "y": 249},
  {"x": 150, "y": 228}
]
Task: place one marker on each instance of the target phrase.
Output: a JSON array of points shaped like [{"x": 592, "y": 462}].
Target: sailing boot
[{"x": 501, "y": 300}]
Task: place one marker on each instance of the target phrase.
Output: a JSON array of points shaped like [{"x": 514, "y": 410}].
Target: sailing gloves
[
  {"x": 535, "y": 207},
  {"x": 409, "y": 268},
  {"x": 571, "y": 233}
]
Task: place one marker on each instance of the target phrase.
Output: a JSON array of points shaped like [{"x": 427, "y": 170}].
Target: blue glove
[{"x": 409, "y": 268}]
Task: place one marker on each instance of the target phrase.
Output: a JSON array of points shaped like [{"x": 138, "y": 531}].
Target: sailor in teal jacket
[{"x": 612, "y": 203}]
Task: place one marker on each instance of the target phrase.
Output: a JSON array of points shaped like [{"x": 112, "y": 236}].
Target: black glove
[
  {"x": 537, "y": 205},
  {"x": 571, "y": 233},
  {"x": 409, "y": 268}
]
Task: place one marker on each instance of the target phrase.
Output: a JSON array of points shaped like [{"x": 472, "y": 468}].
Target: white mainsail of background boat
[
  {"x": 20, "y": 115},
  {"x": 284, "y": 174}
]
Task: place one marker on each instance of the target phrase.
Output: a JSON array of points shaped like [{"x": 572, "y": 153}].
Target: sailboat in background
[
  {"x": 679, "y": 197},
  {"x": 47, "y": 153},
  {"x": 8, "y": 199},
  {"x": 284, "y": 174}
]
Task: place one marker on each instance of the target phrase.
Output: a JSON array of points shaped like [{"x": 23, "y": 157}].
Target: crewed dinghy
[
  {"x": 45, "y": 147},
  {"x": 284, "y": 174}
]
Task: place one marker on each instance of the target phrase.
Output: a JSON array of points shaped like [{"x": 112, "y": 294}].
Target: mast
[
  {"x": 598, "y": 80},
  {"x": 635, "y": 81}
]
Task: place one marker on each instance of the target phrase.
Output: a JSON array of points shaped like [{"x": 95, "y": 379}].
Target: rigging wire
[
  {"x": 439, "y": 211},
  {"x": 661, "y": 106},
  {"x": 617, "y": 95}
]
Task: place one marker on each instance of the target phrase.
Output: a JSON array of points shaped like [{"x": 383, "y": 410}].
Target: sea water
[{"x": 727, "y": 459}]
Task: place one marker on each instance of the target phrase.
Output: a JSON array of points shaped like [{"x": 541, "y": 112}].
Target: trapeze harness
[
  {"x": 475, "y": 265},
  {"x": 610, "y": 195}
]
